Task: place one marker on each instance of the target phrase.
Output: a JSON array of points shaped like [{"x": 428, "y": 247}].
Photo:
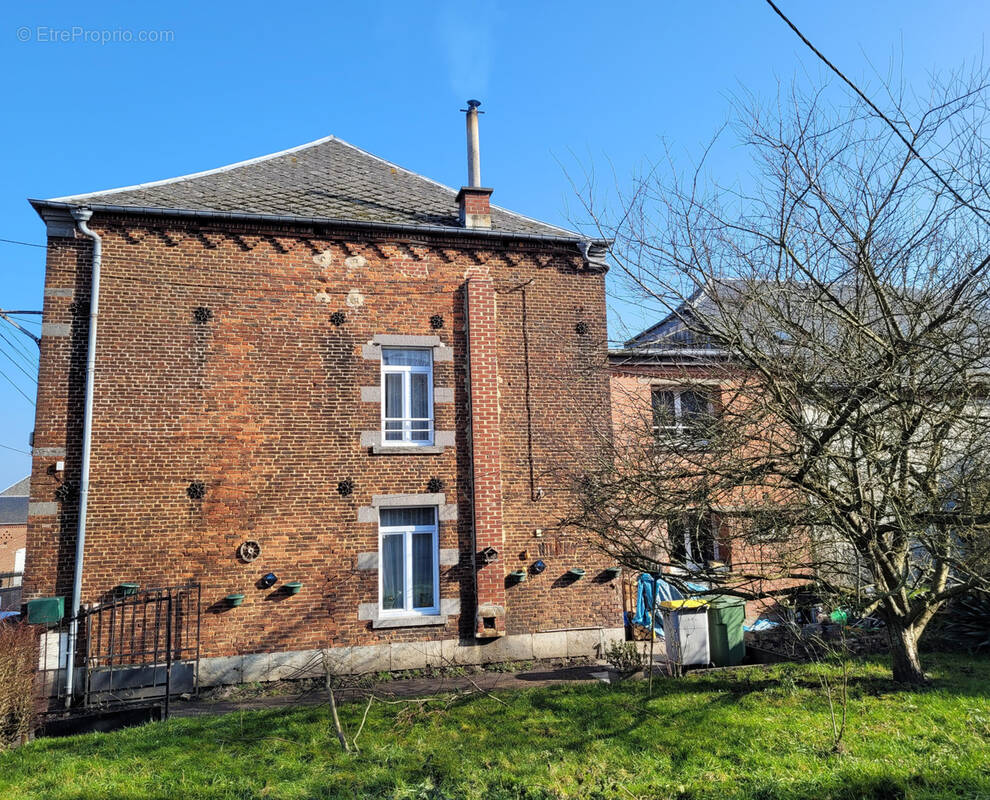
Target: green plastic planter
[
  {"x": 293, "y": 587},
  {"x": 45, "y": 610},
  {"x": 613, "y": 572},
  {"x": 234, "y": 600},
  {"x": 128, "y": 589},
  {"x": 518, "y": 576},
  {"x": 577, "y": 573}
]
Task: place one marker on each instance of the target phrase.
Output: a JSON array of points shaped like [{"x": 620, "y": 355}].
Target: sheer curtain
[{"x": 393, "y": 573}]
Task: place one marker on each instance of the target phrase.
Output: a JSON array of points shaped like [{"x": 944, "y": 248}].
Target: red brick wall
[
  {"x": 262, "y": 404},
  {"x": 631, "y": 387},
  {"x": 485, "y": 453}
]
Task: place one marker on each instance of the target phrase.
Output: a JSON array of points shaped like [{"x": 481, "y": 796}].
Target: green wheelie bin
[{"x": 725, "y": 630}]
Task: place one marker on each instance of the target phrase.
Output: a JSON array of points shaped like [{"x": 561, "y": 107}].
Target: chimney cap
[{"x": 473, "y": 106}]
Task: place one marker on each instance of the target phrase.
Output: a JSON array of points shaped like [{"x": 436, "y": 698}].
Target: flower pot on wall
[
  {"x": 577, "y": 573},
  {"x": 293, "y": 587},
  {"x": 234, "y": 600},
  {"x": 128, "y": 589},
  {"x": 612, "y": 572},
  {"x": 517, "y": 576}
]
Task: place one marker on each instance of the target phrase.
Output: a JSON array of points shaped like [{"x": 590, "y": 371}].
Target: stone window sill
[
  {"x": 408, "y": 622},
  {"x": 425, "y": 450}
]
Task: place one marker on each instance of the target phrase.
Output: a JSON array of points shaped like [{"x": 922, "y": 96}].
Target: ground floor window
[
  {"x": 409, "y": 561},
  {"x": 693, "y": 540}
]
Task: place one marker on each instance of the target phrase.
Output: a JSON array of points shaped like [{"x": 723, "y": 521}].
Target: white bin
[{"x": 685, "y": 629}]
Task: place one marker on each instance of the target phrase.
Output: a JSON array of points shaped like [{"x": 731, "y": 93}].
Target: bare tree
[{"x": 829, "y": 333}]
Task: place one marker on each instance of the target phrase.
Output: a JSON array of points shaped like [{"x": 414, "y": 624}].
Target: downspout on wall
[{"x": 82, "y": 215}]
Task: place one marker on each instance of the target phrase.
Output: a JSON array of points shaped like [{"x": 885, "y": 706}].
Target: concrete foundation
[{"x": 396, "y": 656}]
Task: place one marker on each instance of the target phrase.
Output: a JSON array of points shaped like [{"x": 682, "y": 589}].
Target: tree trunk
[{"x": 904, "y": 653}]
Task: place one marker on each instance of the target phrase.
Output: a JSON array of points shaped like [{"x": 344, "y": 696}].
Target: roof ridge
[{"x": 201, "y": 174}]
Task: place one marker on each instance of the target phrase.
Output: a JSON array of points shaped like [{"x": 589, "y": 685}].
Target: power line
[
  {"x": 17, "y": 325},
  {"x": 25, "y": 320},
  {"x": 18, "y": 349},
  {"x": 12, "y": 361},
  {"x": 16, "y": 387},
  {"x": 879, "y": 113},
  {"x": 8, "y": 447},
  {"x": 26, "y": 244}
]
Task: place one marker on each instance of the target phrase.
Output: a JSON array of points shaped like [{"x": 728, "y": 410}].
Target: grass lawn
[{"x": 751, "y": 733}]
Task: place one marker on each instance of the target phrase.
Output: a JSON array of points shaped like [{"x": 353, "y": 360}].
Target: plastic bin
[
  {"x": 685, "y": 627},
  {"x": 726, "y": 615}
]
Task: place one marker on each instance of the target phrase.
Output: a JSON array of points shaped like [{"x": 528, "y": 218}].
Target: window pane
[
  {"x": 393, "y": 394},
  {"x": 407, "y": 517},
  {"x": 702, "y": 540},
  {"x": 676, "y": 535},
  {"x": 393, "y": 586},
  {"x": 406, "y": 358},
  {"x": 393, "y": 430},
  {"x": 693, "y": 404},
  {"x": 420, "y": 401},
  {"x": 422, "y": 570},
  {"x": 663, "y": 408}
]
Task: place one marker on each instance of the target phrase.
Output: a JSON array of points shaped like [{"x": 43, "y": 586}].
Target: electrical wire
[
  {"x": 30, "y": 360},
  {"x": 8, "y": 447},
  {"x": 16, "y": 387},
  {"x": 12, "y": 361},
  {"x": 26, "y": 244}
]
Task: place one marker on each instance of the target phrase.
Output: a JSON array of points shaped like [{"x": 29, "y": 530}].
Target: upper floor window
[
  {"x": 682, "y": 412},
  {"x": 407, "y": 396},
  {"x": 409, "y": 576}
]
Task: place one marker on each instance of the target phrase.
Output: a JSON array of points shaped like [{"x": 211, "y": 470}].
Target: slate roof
[
  {"x": 14, "y": 503},
  {"x": 20, "y": 489},
  {"x": 13, "y": 510},
  {"x": 328, "y": 179}
]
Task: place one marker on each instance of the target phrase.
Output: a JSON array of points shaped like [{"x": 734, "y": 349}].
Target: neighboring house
[
  {"x": 366, "y": 376},
  {"x": 671, "y": 381},
  {"x": 13, "y": 534}
]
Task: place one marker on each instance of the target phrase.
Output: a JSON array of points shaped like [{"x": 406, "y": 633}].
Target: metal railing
[{"x": 135, "y": 649}]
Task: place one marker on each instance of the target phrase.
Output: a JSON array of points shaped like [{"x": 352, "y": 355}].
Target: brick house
[
  {"x": 13, "y": 533},
  {"x": 666, "y": 380},
  {"x": 321, "y": 366}
]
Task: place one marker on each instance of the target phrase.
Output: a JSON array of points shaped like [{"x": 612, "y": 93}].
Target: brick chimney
[{"x": 472, "y": 200}]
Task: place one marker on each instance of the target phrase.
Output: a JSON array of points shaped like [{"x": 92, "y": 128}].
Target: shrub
[
  {"x": 18, "y": 659},
  {"x": 625, "y": 658},
  {"x": 966, "y": 623}
]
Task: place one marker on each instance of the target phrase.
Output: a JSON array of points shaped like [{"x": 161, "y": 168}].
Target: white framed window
[
  {"x": 409, "y": 561},
  {"x": 682, "y": 411},
  {"x": 407, "y": 396}
]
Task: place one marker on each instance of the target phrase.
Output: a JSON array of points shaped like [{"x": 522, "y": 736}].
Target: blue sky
[{"x": 569, "y": 85}]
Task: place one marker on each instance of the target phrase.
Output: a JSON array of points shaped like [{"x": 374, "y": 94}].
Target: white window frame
[
  {"x": 406, "y": 371},
  {"x": 407, "y": 531},
  {"x": 679, "y": 426}
]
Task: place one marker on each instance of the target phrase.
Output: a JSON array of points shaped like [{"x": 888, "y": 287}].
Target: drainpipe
[{"x": 82, "y": 215}]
